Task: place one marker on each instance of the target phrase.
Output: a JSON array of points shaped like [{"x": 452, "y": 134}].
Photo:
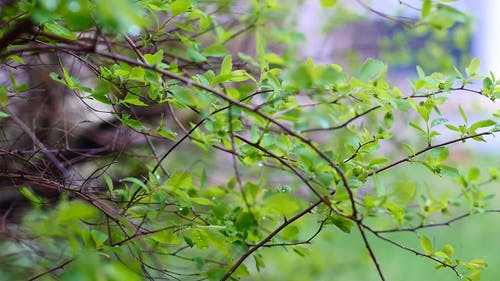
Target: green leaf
[
  {"x": 215, "y": 50},
  {"x": 98, "y": 237},
  {"x": 17, "y": 59},
  {"x": 202, "y": 201},
  {"x": 195, "y": 56},
  {"x": 403, "y": 192},
  {"x": 180, "y": 6},
  {"x": 342, "y": 223},
  {"x": 220, "y": 79},
  {"x": 200, "y": 238},
  {"x": 4, "y": 97},
  {"x": 449, "y": 171},
  {"x": 462, "y": 113},
  {"x": 481, "y": 124},
  {"x": 31, "y": 196},
  {"x": 328, "y": 3},
  {"x": 109, "y": 183},
  {"x": 137, "y": 73},
  {"x": 137, "y": 182},
  {"x": 371, "y": 69},
  {"x": 290, "y": 232},
  {"x": 155, "y": 58},
  {"x": 283, "y": 204},
  {"x": 4, "y": 114},
  {"x": 133, "y": 100},
  {"x": 448, "y": 250},
  {"x": 473, "y": 67},
  {"x": 487, "y": 83},
  {"x": 438, "y": 121},
  {"x": 420, "y": 72},
  {"x": 451, "y": 127},
  {"x": 60, "y": 31},
  {"x": 476, "y": 264},
  {"x": 301, "y": 251},
  {"x": 416, "y": 126},
  {"x": 426, "y": 244},
  {"x": 473, "y": 174},
  {"x": 227, "y": 65},
  {"x": 426, "y": 8},
  {"x": 184, "y": 27},
  {"x": 166, "y": 133},
  {"x": 388, "y": 119}
]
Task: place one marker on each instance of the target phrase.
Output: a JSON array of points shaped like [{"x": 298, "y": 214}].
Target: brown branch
[
  {"x": 190, "y": 83},
  {"x": 343, "y": 124},
  {"x": 430, "y": 147},
  {"x": 295, "y": 171},
  {"x": 401, "y": 246},
  {"x": 438, "y": 224},
  {"x": 307, "y": 241},
  {"x": 403, "y": 20},
  {"x": 23, "y": 26},
  {"x": 102, "y": 206},
  {"x": 62, "y": 265},
  {"x": 370, "y": 250},
  {"x": 40, "y": 145},
  {"x": 267, "y": 239}
]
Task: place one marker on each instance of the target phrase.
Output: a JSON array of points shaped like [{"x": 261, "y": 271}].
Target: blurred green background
[{"x": 335, "y": 255}]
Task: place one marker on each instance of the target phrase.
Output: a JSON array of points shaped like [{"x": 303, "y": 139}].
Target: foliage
[{"x": 223, "y": 139}]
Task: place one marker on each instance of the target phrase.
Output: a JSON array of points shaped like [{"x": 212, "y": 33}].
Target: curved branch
[
  {"x": 267, "y": 239},
  {"x": 430, "y": 147}
]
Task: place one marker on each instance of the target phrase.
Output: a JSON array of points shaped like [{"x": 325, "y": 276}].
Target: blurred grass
[
  {"x": 335, "y": 255},
  {"x": 338, "y": 256}
]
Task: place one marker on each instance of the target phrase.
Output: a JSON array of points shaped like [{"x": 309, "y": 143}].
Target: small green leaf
[
  {"x": 31, "y": 196},
  {"x": 290, "y": 232},
  {"x": 473, "y": 67},
  {"x": 137, "y": 73},
  {"x": 301, "y": 251},
  {"x": 371, "y": 69},
  {"x": 462, "y": 113},
  {"x": 109, "y": 183},
  {"x": 448, "y": 250},
  {"x": 167, "y": 133},
  {"x": 4, "y": 97},
  {"x": 155, "y": 58},
  {"x": 328, "y": 3},
  {"x": 200, "y": 238},
  {"x": 180, "y": 6},
  {"x": 60, "y": 31},
  {"x": 438, "y": 121},
  {"x": 227, "y": 65},
  {"x": 420, "y": 72},
  {"x": 487, "y": 83},
  {"x": 195, "y": 56},
  {"x": 476, "y": 264},
  {"x": 216, "y": 50},
  {"x": 426, "y": 8},
  {"x": 133, "y": 100},
  {"x": 4, "y": 114},
  {"x": 451, "y": 127},
  {"x": 481, "y": 124},
  {"x": 473, "y": 174},
  {"x": 426, "y": 244},
  {"x": 184, "y": 27},
  {"x": 449, "y": 171},
  {"x": 136, "y": 182},
  {"x": 388, "y": 119},
  {"x": 17, "y": 59},
  {"x": 202, "y": 201},
  {"x": 342, "y": 223}
]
